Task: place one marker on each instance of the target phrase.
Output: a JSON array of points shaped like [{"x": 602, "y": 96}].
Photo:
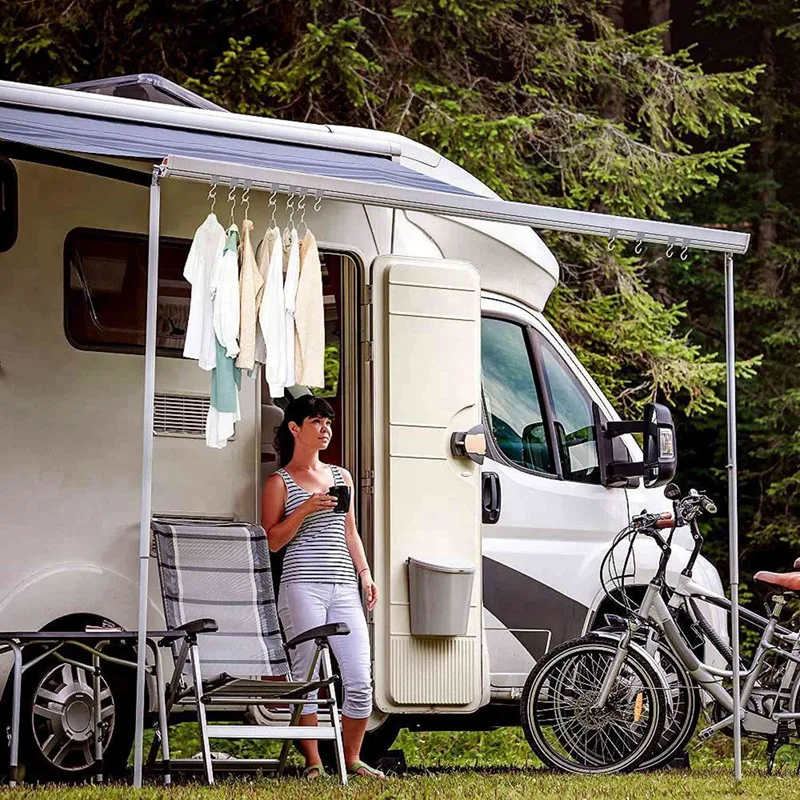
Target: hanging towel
[
  {"x": 309, "y": 317},
  {"x": 225, "y": 294},
  {"x": 292, "y": 249},
  {"x": 262, "y": 261},
  {"x": 250, "y": 283},
  {"x": 272, "y": 312},
  {"x": 204, "y": 254}
]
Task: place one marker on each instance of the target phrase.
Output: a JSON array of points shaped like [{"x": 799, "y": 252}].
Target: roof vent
[
  {"x": 181, "y": 415},
  {"x": 147, "y": 87}
]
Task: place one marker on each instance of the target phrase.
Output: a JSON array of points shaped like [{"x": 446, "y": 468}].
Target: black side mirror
[{"x": 660, "y": 454}]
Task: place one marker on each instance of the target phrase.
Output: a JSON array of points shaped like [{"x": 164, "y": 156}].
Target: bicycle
[{"x": 629, "y": 697}]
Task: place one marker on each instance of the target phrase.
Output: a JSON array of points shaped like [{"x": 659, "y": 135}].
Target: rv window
[
  {"x": 572, "y": 417},
  {"x": 106, "y": 292},
  {"x": 511, "y": 396},
  {"x": 8, "y": 205}
]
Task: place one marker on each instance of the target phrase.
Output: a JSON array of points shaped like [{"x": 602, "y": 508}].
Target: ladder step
[{"x": 269, "y": 732}]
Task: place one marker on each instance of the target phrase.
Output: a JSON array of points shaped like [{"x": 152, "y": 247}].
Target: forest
[{"x": 680, "y": 110}]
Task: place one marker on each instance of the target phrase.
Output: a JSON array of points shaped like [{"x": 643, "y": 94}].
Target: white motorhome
[{"x": 406, "y": 293}]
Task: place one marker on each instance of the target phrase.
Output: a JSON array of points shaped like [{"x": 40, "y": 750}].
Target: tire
[
  {"x": 564, "y": 731},
  {"x": 681, "y": 720},
  {"x": 56, "y": 728}
]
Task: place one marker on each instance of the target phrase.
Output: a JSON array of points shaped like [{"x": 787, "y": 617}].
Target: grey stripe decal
[{"x": 521, "y": 603}]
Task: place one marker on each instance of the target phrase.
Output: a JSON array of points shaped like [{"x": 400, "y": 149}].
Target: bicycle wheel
[
  {"x": 682, "y": 712},
  {"x": 564, "y": 729},
  {"x": 681, "y": 717}
]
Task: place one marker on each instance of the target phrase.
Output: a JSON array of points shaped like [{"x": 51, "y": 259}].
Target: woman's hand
[
  {"x": 319, "y": 501},
  {"x": 370, "y": 589}
]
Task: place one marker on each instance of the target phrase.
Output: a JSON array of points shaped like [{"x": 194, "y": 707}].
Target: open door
[{"x": 426, "y": 387}]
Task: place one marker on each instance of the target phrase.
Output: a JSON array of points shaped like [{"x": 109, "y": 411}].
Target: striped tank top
[{"x": 318, "y": 553}]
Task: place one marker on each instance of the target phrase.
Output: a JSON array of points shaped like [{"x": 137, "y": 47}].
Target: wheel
[
  {"x": 681, "y": 720},
  {"x": 567, "y": 733},
  {"x": 56, "y": 720}
]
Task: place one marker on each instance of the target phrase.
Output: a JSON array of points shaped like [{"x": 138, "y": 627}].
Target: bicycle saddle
[{"x": 786, "y": 580}]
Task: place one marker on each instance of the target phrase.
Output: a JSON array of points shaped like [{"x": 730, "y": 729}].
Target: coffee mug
[{"x": 342, "y": 495}]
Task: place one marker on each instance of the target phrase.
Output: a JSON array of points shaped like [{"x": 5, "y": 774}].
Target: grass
[{"x": 494, "y": 764}]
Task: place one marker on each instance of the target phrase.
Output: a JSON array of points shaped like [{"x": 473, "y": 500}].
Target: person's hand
[
  {"x": 370, "y": 589},
  {"x": 319, "y": 501}
]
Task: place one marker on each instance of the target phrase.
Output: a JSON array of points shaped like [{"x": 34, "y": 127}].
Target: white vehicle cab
[{"x": 435, "y": 325}]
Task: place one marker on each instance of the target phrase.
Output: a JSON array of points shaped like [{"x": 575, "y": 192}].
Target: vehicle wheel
[
  {"x": 56, "y": 721},
  {"x": 562, "y": 727}
]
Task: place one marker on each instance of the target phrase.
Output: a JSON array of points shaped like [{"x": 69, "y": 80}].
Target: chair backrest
[{"x": 222, "y": 571}]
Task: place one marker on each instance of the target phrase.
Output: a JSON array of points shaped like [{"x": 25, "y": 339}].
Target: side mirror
[
  {"x": 535, "y": 453},
  {"x": 660, "y": 455}
]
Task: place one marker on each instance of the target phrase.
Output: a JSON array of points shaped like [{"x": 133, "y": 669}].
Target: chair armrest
[
  {"x": 320, "y": 632},
  {"x": 205, "y": 625}
]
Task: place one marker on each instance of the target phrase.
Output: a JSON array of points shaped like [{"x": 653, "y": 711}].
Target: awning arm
[
  {"x": 460, "y": 205},
  {"x": 57, "y": 158}
]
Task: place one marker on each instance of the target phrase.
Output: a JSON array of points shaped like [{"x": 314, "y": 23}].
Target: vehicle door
[
  {"x": 546, "y": 518},
  {"x": 425, "y": 387}
]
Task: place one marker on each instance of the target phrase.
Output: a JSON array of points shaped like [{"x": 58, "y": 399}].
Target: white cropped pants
[{"x": 302, "y": 606}]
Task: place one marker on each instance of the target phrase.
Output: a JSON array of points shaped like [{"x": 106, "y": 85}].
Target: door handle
[{"x": 490, "y": 497}]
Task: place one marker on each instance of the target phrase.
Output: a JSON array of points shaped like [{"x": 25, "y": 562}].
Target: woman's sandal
[
  {"x": 368, "y": 772},
  {"x": 313, "y": 772}
]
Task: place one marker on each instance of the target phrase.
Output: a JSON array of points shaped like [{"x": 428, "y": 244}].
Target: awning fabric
[{"x": 103, "y": 137}]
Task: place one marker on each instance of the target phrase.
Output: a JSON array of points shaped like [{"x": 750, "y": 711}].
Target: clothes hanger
[
  {"x": 301, "y": 205},
  {"x": 232, "y": 201},
  {"x": 212, "y": 195},
  {"x": 273, "y": 204}
]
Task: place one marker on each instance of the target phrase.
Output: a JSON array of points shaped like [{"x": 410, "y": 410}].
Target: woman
[{"x": 323, "y": 565}]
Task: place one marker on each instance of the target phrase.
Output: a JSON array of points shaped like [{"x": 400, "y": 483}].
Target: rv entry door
[{"x": 428, "y": 638}]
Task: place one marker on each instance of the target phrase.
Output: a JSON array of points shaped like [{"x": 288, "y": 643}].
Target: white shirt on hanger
[
  {"x": 225, "y": 297},
  {"x": 205, "y": 252},
  {"x": 272, "y": 312},
  {"x": 289, "y": 298}
]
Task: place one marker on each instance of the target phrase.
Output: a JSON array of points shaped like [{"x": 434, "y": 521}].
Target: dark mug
[{"x": 342, "y": 495}]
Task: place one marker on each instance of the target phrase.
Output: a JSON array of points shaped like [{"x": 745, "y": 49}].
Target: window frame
[
  {"x": 100, "y": 233},
  {"x": 534, "y": 357},
  {"x": 8, "y": 175}
]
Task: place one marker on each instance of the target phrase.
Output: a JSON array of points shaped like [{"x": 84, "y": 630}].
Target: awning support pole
[
  {"x": 147, "y": 465},
  {"x": 733, "y": 515}
]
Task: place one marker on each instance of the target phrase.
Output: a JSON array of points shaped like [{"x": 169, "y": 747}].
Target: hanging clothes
[
  {"x": 204, "y": 254},
  {"x": 309, "y": 317},
  {"x": 272, "y": 312},
  {"x": 225, "y": 294},
  {"x": 224, "y": 411},
  {"x": 291, "y": 248},
  {"x": 262, "y": 261},
  {"x": 250, "y": 284}
]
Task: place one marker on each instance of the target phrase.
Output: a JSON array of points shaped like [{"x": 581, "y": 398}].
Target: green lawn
[{"x": 496, "y": 764}]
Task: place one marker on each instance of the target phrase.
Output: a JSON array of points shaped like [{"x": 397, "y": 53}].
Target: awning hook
[{"x": 639, "y": 249}]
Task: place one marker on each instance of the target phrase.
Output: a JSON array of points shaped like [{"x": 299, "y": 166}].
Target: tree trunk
[
  {"x": 766, "y": 227},
  {"x": 659, "y": 12}
]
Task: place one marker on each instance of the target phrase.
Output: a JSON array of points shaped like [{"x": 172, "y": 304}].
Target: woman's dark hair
[{"x": 304, "y": 407}]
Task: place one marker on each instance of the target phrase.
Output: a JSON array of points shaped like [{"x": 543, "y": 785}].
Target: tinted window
[
  {"x": 512, "y": 399},
  {"x": 106, "y": 291},
  {"x": 8, "y": 205},
  {"x": 572, "y": 412}
]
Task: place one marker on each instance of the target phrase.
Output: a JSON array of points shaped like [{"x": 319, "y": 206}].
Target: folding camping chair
[{"x": 222, "y": 571}]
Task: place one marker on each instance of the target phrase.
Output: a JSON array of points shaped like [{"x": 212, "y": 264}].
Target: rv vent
[{"x": 181, "y": 415}]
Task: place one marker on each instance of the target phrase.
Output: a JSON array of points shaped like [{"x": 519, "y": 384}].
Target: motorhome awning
[{"x": 75, "y": 133}]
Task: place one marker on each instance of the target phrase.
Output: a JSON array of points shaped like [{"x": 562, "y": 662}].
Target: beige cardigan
[{"x": 309, "y": 317}]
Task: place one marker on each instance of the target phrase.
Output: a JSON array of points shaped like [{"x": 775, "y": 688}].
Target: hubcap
[{"x": 63, "y": 717}]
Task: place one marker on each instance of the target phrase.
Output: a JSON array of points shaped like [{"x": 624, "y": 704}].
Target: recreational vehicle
[{"x": 453, "y": 305}]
